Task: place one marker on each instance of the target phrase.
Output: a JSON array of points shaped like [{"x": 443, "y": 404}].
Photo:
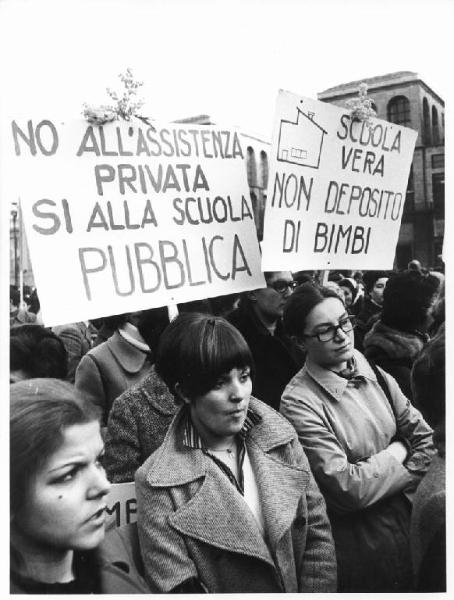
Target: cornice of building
[{"x": 381, "y": 82}]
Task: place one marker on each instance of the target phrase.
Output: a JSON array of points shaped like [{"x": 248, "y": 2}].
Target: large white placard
[
  {"x": 124, "y": 217},
  {"x": 336, "y": 188}
]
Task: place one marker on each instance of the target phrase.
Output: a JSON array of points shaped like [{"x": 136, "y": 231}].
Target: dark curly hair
[
  {"x": 37, "y": 351},
  {"x": 407, "y": 299}
]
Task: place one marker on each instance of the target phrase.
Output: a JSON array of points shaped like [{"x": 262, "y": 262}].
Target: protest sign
[
  {"x": 336, "y": 189},
  {"x": 124, "y": 217},
  {"x": 121, "y": 504}
]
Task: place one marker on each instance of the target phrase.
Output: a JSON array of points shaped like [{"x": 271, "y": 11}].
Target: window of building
[
  {"x": 438, "y": 161},
  {"x": 438, "y": 194},
  {"x": 426, "y": 123},
  {"x": 251, "y": 167},
  {"x": 410, "y": 196},
  {"x": 258, "y": 214},
  {"x": 435, "y": 130},
  {"x": 399, "y": 110},
  {"x": 263, "y": 169}
]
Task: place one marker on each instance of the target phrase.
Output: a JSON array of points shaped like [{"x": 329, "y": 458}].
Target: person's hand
[{"x": 398, "y": 450}]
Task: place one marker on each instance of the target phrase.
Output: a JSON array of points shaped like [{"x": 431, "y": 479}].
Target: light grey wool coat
[{"x": 193, "y": 523}]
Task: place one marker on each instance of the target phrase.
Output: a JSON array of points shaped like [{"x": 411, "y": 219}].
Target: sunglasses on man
[{"x": 282, "y": 286}]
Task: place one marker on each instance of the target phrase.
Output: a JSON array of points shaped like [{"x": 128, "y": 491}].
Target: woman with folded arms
[{"x": 368, "y": 447}]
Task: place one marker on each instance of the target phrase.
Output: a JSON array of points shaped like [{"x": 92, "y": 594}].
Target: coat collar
[
  {"x": 131, "y": 359},
  {"x": 280, "y": 486},
  {"x": 176, "y": 465},
  {"x": 332, "y": 383},
  {"x": 155, "y": 392}
]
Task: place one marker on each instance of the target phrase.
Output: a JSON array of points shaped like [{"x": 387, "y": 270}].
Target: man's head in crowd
[
  {"x": 375, "y": 283},
  {"x": 36, "y": 352},
  {"x": 268, "y": 303},
  {"x": 414, "y": 265},
  {"x": 407, "y": 298}
]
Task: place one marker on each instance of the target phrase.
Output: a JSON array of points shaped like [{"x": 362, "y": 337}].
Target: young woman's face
[
  {"x": 65, "y": 508},
  {"x": 348, "y": 296},
  {"x": 219, "y": 414},
  {"x": 334, "y": 353},
  {"x": 377, "y": 291}
]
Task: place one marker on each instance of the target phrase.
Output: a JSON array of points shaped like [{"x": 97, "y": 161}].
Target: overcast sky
[{"x": 225, "y": 58}]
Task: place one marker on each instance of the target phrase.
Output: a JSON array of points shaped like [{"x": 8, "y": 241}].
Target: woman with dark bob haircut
[
  {"x": 227, "y": 503},
  {"x": 368, "y": 447},
  {"x": 57, "y": 496}
]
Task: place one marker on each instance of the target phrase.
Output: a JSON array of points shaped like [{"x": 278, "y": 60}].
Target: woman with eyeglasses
[{"x": 368, "y": 447}]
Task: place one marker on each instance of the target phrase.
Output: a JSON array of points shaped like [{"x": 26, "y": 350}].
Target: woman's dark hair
[
  {"x": 407, "y": 298},
  {"x": 40, "y": 412},
  {"x": 151, "y": 324},
  {"x": 300, "y": 304},
  {"x": 347, "y": 283},
  {"x": 196, "y": 349},
  {"x": 113, "y": 322},
  {"x": 370, "y": 278},
  {"x": 38, "y": 352}
]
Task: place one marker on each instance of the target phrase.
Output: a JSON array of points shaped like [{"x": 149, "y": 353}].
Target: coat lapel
[
  {"x": 200, "y": 518},
  {"x": 280, "y": 488},
  {"x": 225, "y": 529}
]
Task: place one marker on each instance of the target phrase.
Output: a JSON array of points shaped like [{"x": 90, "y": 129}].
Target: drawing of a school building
[{"x": 301, "y": 141}]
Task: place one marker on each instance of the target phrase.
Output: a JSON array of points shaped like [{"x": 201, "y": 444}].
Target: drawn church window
[
  {"x": 300, "y": 141},
  {"x": 399, "y": 110}
]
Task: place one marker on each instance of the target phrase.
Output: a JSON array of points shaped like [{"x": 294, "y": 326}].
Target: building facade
[
  {"x": 405, "y": 99},
  {"x": 257, "y": 167}
]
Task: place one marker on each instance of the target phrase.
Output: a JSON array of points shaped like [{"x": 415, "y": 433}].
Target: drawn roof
[{"x": 300, "y": 112}]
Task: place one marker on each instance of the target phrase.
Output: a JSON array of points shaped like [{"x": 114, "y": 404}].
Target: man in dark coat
[{"x": 259, "y": 319}]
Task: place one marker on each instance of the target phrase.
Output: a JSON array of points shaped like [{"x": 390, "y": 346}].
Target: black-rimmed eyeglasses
[
  {"x": 282, "y": 286},
  {"x": 329, "y": 333}
]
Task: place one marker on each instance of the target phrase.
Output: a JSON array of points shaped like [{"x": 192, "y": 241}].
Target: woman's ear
[{"x": 181, "y": 395}]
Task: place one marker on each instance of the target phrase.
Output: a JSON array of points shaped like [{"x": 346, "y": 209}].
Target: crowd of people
[{"x": 286, "y": 439}]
